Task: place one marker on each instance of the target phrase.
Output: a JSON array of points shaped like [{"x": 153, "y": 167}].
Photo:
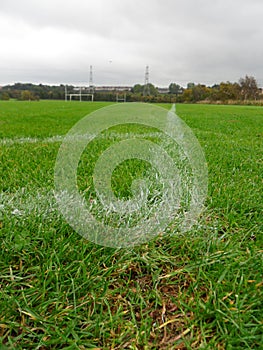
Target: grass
[{"x": 199, "y": 290}]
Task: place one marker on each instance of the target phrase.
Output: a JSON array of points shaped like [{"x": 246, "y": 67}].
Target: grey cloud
[{"x": 192, "y": 40}]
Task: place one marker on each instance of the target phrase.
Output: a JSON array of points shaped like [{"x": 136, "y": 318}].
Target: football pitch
[{"x": 201, "y": 289}]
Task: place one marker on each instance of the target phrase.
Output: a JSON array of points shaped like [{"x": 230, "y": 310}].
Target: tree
[
  {"x": 229, "y": 91},
  {"x": 153, "y": 90},
  {"x": 137, "y": 89},
  {"x": 196, "y": 93},
  {"x": 27, "y": 95},
  {"x": 190, "y": 85},
  {"x": 5, "y": 96},
  {"x": 249, "y": 88},
  {"x": 200, "y": 92},
  {"x": 175, "y": 89},
  {"x": 187, "y": 95}
]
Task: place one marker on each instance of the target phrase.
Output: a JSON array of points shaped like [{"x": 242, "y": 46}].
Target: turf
[{"x": 198, "y": 290}]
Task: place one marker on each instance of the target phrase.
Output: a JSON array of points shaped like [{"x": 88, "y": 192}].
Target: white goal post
[{"x": 80, "y": 94}]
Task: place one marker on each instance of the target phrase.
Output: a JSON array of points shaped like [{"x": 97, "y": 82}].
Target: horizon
[{"x": 81, "y": 84}]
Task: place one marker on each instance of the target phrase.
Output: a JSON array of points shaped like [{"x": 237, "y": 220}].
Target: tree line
[
  {"x": 246, "y": 90},
  {"x": 28, "y": 91}
]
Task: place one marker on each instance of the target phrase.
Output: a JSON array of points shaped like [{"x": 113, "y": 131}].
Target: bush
[{"x": 5, "y": 96}]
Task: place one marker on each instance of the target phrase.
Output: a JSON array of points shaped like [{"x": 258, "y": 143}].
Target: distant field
[{"x": 200, "y": 290}]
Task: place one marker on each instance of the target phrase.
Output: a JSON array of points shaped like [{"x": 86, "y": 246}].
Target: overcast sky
[{"x": 202, "y": 41}]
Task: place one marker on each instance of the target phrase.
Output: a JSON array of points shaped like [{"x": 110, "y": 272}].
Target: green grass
[{"x": 199, "y": 290}]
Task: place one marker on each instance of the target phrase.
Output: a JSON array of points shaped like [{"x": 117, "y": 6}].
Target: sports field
[{"x": 199, "y": 290}]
